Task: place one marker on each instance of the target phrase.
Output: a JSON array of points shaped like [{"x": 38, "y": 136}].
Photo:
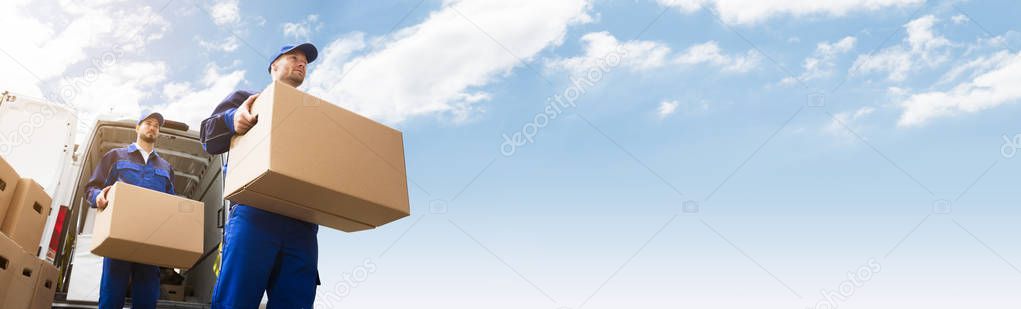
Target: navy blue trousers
[
  {"x": 117, "y": 274},
  {"x": 271, "y": 253}
]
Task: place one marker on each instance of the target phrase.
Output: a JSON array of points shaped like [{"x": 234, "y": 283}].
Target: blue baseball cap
[
  {"x": 158, "y": 116},
  {"x": 308, "y": 49}
]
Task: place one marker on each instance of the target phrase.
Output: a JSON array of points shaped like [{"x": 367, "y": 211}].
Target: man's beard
[
  {"x": 148, "y": 138},
  {"x": 296, "y": 78}
]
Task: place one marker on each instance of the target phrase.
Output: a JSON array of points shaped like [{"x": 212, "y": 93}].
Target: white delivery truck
[{"x": 38, "y": 138}]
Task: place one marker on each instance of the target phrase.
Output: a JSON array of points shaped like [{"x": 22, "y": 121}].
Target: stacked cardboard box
[
  {"x": 26, "y": 214},
  {"x": 172, "y": 292},
  {"x": 149, "y": 227},
  {"x": 10, "y": 258},
  {"x": 25, "y": 280},
  {"x": 314, "y": 161},
  {"x": 24, "y": 273},
  {"x": 31, "y": 284},
  {"x": 45, "y": 286},
  {"x": 8, "y": 181}
]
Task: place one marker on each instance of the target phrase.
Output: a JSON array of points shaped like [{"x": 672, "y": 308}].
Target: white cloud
[
  {"x": 666, "y": 108},
  {"x": 44, "y": 50},
  {"x": 841, "y": 122},
  {"x": 647, "y": 55},
  {"x": 83, "y": 54},
  {"x": 710, "y": 53},
  {"x": 226, "y": 45},
  {"x": 116, "y": 93},
  {"x": 973, "y": 68},
  {"x": 752, "y": 11},
  {"x": 895, "y": 61},
  {"x": 225, "y": 12},
  {"x": 996, "y": 86},
  {"x": 921, "y": 49},
  {"x": 827, "y": 50},
  {"x": 821, "y": 63},
  {"x": 637, "y": 55},
  {"x": 303, "y": 30},
  {"x": 190, "y": 103},
  {"x": 921, "y": 38},
  {"x": 439, "y": 65},
  {"x": 897, "y": 91},
  {"x": 960, "y": 19}
]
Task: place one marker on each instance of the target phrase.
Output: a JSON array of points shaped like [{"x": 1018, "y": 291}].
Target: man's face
[
  {"x": 148, "y": 130},
  {"x": 290, "y": 68}
]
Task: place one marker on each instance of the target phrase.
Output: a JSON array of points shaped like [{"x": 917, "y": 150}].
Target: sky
[{"x": 608, "y": 154}]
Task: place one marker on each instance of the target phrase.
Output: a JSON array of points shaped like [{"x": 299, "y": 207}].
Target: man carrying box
[
  {"x": 140, "y": 165},
  {"x": 263, "y": 251}
]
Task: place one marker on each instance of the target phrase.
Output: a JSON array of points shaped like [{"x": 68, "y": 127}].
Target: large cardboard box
[
  {"x": 149, "y": 227},
  {"x": 172, "y": 292},
  {"x": 45, "y": 285},
  {"x": 8, "y": 182},
  {"x": 27, "y": 214},
  {"x": 10, "y": 258},
  {"x": 314, "y": 161},
  {"x": 22, "y": 286}
]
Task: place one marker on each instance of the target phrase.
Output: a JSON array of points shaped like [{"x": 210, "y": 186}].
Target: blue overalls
[
  {"x": 127, "y": 165},
  {"x": 262, "y": 251}
]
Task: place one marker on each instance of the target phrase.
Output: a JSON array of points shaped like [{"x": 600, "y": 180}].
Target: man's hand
[
  {"x": 101, "y": 200},
  {"x": 243, "y": 118}
]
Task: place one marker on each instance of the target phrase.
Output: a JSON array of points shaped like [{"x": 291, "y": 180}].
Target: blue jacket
[
  {"x": 126, "y": 164},
  {"x": 217, "y": 130}
]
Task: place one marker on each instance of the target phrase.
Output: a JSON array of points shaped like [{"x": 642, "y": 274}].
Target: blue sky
[{"x": 738, "y": 153}]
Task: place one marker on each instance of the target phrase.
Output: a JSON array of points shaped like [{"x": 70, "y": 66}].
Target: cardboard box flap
[
  {"x": 299, "y": 212},
  {"x": 322, "y": 199}
]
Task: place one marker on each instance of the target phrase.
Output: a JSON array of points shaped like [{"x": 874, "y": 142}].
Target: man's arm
[
  {"x": 100, "y": 178},
  {"x": 217, "y": 130}
]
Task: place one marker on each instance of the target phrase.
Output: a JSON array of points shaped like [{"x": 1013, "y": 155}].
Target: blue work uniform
[
  {"x": 262, "y": 251},
  {"x": 127, "y": 165}
]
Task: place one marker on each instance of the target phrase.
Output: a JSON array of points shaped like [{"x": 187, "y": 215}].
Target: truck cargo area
[{"x": 198, "y": 177}]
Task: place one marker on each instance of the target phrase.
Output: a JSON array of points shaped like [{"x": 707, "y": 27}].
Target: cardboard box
[
  {"x": 45, "y": 285},
  {"x": 149, "y": 227},
  {"x": 8, "y": 182},
  {"x": 172, "y": 292},
  {"x": 10, "y": 255},
  {"x": 27, "y": 214},
  {"x": 22, "y": 286},
  {"x": 311, "y": 160}
]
